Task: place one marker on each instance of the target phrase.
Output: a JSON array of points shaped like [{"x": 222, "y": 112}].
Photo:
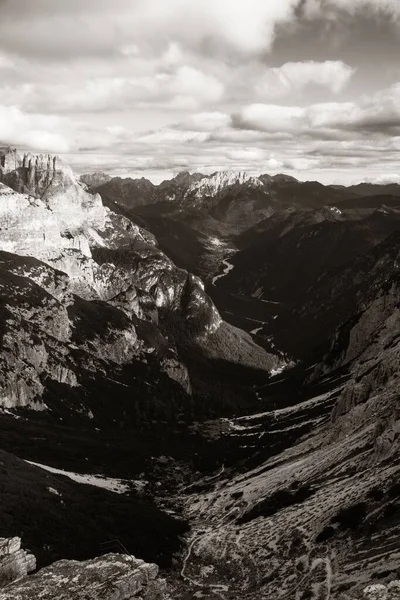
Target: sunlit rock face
[
  {"x": 50, "y": 335},
  {"x": 109, "y": 576},
  {"x": 15, "y": 562},
  {"x": 48, "y": 178},
  {"x": 214, "y": 184},
  {"x": 100, "y": 289}
]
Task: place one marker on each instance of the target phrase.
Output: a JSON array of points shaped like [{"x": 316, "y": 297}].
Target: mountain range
[{"x": 204, "y": 370}]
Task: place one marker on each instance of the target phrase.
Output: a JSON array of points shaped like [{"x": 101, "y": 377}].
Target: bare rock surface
[
  {"x": 86, "y": 289},
  {"x": 15, "y": 562},
  {"x": 112, "y": 576}
]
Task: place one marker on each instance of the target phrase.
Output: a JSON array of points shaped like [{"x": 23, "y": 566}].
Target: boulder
[{"x": 111, "y": 577}]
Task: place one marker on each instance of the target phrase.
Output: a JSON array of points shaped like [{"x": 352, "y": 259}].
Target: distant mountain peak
[
  {"x": 282, "y": 178},
  {"x": 211, "y": 185},
  {"x": 94, "y": 180}
]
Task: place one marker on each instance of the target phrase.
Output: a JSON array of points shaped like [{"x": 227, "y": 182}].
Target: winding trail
[{"x": 215, "y": 588}]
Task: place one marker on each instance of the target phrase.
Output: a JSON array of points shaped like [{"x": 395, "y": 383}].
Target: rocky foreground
[{"x": 110, "y": 576}]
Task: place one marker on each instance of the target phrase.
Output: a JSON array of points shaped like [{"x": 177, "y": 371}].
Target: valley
[{"x": 203, "y": 373}]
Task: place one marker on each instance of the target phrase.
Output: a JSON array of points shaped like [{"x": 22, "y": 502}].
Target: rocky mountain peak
[
  {"x": 282, "y": 178},
  {"x": 212, "y": 185},
  {"x": 44, "y": 209},
  {"x": 34, "y": 174},
  {"x": 45, "y": 162},
  {"x": 94, "y": 180},
  {"x": 9, "y": 160},
  {"x": 185, "y": 178}
]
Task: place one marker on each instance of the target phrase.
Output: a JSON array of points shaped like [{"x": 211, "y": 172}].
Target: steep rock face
[
  {"x": 214, "y": 184},
  {"x": 48, "y": 332},
  {"x": 120, "y": 299},
  {"x": 310, "y": 277},
  {"x": 47, "y": 178},
  {"x": 110, "y": 576},
  {"x": 9, "y": 160},
  {"x": 15, "y": 563}
]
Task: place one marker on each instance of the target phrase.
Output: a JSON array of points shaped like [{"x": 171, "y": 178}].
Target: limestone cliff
[
  {"x": 102, "y": 290},
  {"x": 15, "y": 563}
]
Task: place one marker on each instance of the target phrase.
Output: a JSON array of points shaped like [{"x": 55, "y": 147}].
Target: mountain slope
[
  {"x": 103, "y": 296},
  {"x": 316, "y": 515},
  {"x": 296, "y": 271}
]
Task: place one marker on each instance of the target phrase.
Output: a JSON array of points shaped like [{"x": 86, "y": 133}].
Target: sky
[{"x": 148, "y": 88}]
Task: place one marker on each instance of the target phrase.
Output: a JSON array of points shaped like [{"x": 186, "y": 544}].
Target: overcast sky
[{"x": 152, "y": 87}]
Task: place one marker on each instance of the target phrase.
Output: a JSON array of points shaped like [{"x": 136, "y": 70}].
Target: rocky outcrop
[
  {"x": 210, "y": 186},
  {"x": 15, "y": 563},
  {"x": 9, "y": 160},
  {"x": 94, "y": 180},
  {"x": 46, "y": 328},
  {"x": 379, "y": 591},
  {"x": 46, "y": 177},
  {"x": 112, "y": 576}
]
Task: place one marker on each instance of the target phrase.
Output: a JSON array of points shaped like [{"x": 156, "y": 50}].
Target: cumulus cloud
[
  {"x": 383, "y": 179},
  {"x": 168, "y": 84},
  {"x": 331, "y": 74},
  {"x": 379, "y": 112},
  {"x": 269, "y": 118},
  {"x": 182, "y": 87},
  {"x": 32, "y": 131},
  {"x": 206, "y": 121},
  {"x": 206, "y": 25}
]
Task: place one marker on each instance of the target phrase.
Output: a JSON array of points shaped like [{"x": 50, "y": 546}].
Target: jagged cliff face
[
  {"x": 47, "y": 178},
  {"x": 15, "y": 562},
  {"x": 214, "y": 184},
  {"x": 100, "y": 296},
  {"x": 46, "y": 213}
]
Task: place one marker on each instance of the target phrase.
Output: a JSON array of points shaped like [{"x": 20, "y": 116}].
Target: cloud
[
  {"x": 6, "y": 62},
  {"x": 269, "y": 118},
  {"x": 206, "y": 121},
  {"x": 142, "y": 85},
  {"x": 334, "y": 8},
  {"x": 100, "y": 28},
  {"x": 295, "y": 77},
  {"x": 383, "y": 179},
  {"x": 32, "y": 131},
  {"x": 333, "y": 75},
  {"x": 377, "y": 113},
  {"x": 182, "y": 87}
]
